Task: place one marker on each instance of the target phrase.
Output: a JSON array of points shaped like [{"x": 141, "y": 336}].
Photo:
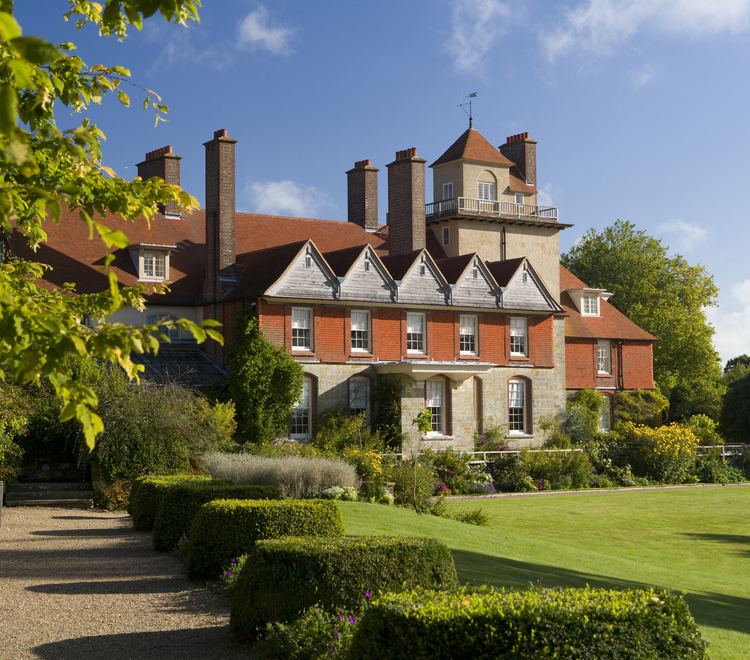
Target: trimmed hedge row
[
  {"x": 146, "y": 494},
  {"x": 538, "y": 623},
  {"x": 284, "y": 577},
  {"x": 181, "y": 501},
  {"x": 223, "y": 529}
]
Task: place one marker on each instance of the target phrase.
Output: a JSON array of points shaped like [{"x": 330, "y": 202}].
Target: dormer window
[
  {"x": 154, "y": 265},
  {"x": 590, "y": 305}
]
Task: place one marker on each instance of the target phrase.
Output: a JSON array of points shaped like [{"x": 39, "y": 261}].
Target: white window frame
[
  {"x": 300, "y": 347},
  {"x": 437, "y": 412},
  {"x": 362, "y": 338},
  {"x": 487, "y": 191},
  {"x": 354, "y": 383},
  {"x": 604, "y": 357},
  {"x": 519, "y": 198},
  {"x": 470, "y": 345},
  {"x": 447, "y": 190},
  {"x": 518, "y": 391},
  {"x": 521, "y": 330},
  {"x": 155, "y": 265},
  {"x": 605, "y": 416},
  {"x": 590, "y": 305},
  {"x": 423, "y": 342},
  {"x": 300, "y": 424},
  {"x": 446, "y": 235}
]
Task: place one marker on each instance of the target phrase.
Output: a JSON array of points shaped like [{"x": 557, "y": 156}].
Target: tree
[
  {"x": 265, "y": 382},
  {"x": 666, "y": 296},
  {"x": 737, "y": 366},
  {"x": 43, "y": 169},
  {"x": 735, "y": 413}
]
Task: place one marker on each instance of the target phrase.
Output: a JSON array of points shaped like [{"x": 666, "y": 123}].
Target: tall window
[
  {"x": 360, "y": 331},
  {"x": 415, "y": 333},
  {"x": 154, "y": 265},
  {"x": 590, "y": 305},
  {"x": 519, "y": 336},
  {"x": 467, "y": 337},
  {"x": 301, "y": 329},
  {"x": 299, "y": 429},
  {"x": 517, "y": 406},
  {"x": 434, "y": 401},
  {"x": 603, "y": 357},
  {"x": 448, "y": 190},
  {"x": 446, "y": 235},
  {"x": 487, "y": 191},
  {"x": 359, "y": 396}
]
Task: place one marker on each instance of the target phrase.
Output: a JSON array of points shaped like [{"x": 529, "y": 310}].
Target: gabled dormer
[
  {"x": 151, "y": 261},
  {"x": 361, "y": 274},
  {"x": 307, "y": 275},
  {"x": 588, "y": 300},
  {"x": 418, "y": 279}
]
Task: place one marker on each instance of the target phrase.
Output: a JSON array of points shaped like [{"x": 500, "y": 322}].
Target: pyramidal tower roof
[{"x": 472, "y": 145}]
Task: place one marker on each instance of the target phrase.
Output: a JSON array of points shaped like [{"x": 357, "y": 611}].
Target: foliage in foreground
[
  {"x": 15, "y": 409},
  {"x": 537, "y": 623},
  {"x": 223, "y": 529},
  {"x": 45, "y": 169},
  {"x": 283, "y": 578}
]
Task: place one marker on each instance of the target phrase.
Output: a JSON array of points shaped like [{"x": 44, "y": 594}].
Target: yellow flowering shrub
[
  {"x": 368, "y": 462},
  {"x": 667, "y": 452}
]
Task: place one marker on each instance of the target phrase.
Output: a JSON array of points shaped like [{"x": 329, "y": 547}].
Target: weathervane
[{"x": 463, "y": 106}]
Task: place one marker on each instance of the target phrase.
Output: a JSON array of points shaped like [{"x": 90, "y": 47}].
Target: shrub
[
  {"x": 641, "y": 407},
  {"x": 582, "y": 415},
  {"x": 711, "y": 468},
  {"x": 666, "y": 453},
  {"x": 289, "y": 575},
  {"x": 414, "y": 488},
  {"x": 339, "y": 431},
  {"x": 338, "y": 493},
  {"x": 537, "y": 623},
  {"x": 15, "y": 409},
  {"x": 480, "y": 480},
  {"x": 560, "y": 470},
  {"x": 735, "y": 413},
  {"x": 228, "y": 528},
  {"x": 451, "y": 468},
  {"x": 146, "y": 494},
  {"x": 511, "y": 474},
  {"x": 494, "y": 438},
  {"x": 473, "y": 517},
  {"x": 705, "y": 429},
  {"x": 265, "y": 382},
  {"x": 181, "y": 501},
  {"x": 294, "y": 476},
  {"x": 231, "y": 573},
  {"x": 386, "y": 396}
]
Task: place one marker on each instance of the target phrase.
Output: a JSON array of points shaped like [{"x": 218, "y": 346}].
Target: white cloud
[
  {"x": 475, "y": 26},
  {"x": 598, "y": 27},
  {"x": 181, "y": 44},
  {"x": 257, "y": 33},
  {"x": 643, "y": 76},
  {"x": 286, "y": 197},
  {"x": 547, "y": 194},
  {"x": 732, "y": 320},
  {"x": 686, "y": 234}
]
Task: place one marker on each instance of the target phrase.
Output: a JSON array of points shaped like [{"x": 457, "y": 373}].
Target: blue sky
[{"x": 640, "y": 106}]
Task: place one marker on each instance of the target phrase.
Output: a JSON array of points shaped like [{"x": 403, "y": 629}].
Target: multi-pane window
[
  {"x": 604, "y": 416},
  {"x": 301, "y": 329},
  {"x": 487, "y": 191},
  {"x": 434, "y": 401},
  {"x": 590, "y": 305},
  {"x": 154, "y": 265},
  {"x": 519, "y": 198},
  {"x": 415, "y": 333},
  {"x": 467, "y": 334},
  {"x": 172, "y": 333},
  {"x": 448, "y": 190},
  {"x": 603, "y": 357},
  {"x": 517, "y": 406},
  {"x": 299, "y": 428},
  {"x": 446, "y": 235},
  {"x": 518, "y": 336},
  {"x": 359, "y": 396},
  {"x": 360, "y": 331}
]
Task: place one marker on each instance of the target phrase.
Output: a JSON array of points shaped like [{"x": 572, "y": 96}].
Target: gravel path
[{"x": 78, "y": 584}]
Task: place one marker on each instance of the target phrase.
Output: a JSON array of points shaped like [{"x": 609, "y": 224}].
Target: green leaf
[
  {"x": 8, "y": 108},
  {"x": 111, "y": 237},
  {"x": 124, "y": 98},
  {"x": 9, "y": 27},
  {"x": 36, "y": 50}
]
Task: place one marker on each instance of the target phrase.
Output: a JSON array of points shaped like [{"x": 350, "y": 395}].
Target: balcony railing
[{"x": 491, "y": 208}]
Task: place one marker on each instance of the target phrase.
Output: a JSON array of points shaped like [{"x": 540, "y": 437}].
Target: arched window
[
  {"x": 519, "y": 406},
  {"x": 301, "y": 423},
  {"x": 487, "y": 186},
  {"x": 359, "y": 396}
]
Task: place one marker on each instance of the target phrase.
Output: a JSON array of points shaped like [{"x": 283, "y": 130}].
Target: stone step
[
  {"x": 74, "y": 503},
  {"x": 49, "y": 495},
  {"x": 41, "y": 486}
]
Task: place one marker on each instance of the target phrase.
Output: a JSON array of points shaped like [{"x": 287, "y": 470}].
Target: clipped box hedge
[
  {"x": 228, "y": 528},
  {"x": 537, "y": 623},
  {"x": 146, "y": 493},
  {"x": 284, "y": 577},
  {"x": 181, "y": 501}
]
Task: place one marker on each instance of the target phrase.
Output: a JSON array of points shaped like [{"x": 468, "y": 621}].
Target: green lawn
[{"x": 694, "y": 541}]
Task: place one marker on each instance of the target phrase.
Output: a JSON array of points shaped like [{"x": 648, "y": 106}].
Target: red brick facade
[{"x": 581, "y": 368}]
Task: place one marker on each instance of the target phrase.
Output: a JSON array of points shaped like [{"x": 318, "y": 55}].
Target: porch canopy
[{"x": 424, "y": 369}]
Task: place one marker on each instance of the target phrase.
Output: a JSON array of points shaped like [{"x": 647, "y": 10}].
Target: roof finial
[{"x": 472, "y": 95}]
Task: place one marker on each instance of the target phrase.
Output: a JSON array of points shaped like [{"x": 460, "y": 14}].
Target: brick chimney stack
[
  {"x": 362, "y": 185},
  {"x": 406, "y": 212},
  {"x": 521, "y": 149},
  {"x": 162, "y": 163},
  {"x": 220, "y": 206}
]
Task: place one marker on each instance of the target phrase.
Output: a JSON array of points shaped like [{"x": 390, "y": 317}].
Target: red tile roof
[
  {"x": 610, "y": 324},
  {"x": 472, "y": 145}
]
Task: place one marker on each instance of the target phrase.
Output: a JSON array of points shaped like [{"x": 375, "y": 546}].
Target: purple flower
[
  {"x": 229, "y": 574},
  {"x": 341, "y": 617},
  {"x": 234, "y": 561},
  {"x": 337, "y": 634},
  {"x": 352, "y": 620},
  {"x": 368, "y": 594}
]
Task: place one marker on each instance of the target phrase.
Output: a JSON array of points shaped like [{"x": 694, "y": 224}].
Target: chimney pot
[
  {"x": 362, "y": 194},
  {"x": 361, "y": 164},
  {"x": 222, "y": 132},
  {"x": 521, "y": 149},
  {"x": 163, "y": 163}
]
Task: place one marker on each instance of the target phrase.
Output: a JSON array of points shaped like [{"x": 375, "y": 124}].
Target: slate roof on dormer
[
  {"x": 472, "y": 145},
  {"x": 342, "y": 260},
  {"x": 399, "y": 264},
  {"x": 453, "y": 267},
  {"x": 503, "y": 271}
]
